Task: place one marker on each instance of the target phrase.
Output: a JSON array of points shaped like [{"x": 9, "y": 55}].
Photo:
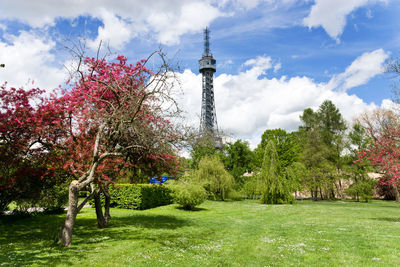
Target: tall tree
[
  {"x": 275, "y": 189},
  {"x": 323, "y": 133}
]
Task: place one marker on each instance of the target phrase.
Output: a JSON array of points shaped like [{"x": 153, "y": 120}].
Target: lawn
[{"x": 242, "y": 233}]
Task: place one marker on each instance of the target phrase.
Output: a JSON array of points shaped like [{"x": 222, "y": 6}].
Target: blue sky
[{"x": 274, "y": 58}]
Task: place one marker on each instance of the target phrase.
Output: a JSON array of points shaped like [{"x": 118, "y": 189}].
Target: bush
[
  {"x": 54, "y": 198},
  {"x": 250, "y": 188},
  {"x": 138, "y": 196},
  {"x": 188, "y": 195},
  {"x": 213, "y": 176},
  {"x": 363, "y": 189},
  {"x": 235, "y": 195}
]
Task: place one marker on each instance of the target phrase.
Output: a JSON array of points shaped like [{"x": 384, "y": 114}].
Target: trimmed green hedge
[{"x": 138, "y": 196}]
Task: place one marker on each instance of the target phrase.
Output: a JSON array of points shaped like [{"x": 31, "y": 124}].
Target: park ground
[{"x": 243, "y": 233}]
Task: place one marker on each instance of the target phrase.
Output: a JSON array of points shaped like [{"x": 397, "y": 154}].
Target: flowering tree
[
  {"x": 27, "y": 159},
  {"x": 115, "y": 114},
  {"x": 384, "y": 151}
]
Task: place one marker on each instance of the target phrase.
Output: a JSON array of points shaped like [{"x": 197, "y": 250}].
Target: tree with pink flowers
[
  {"x": 383, "y": 153},
  {"x": 113, "y": 115}
]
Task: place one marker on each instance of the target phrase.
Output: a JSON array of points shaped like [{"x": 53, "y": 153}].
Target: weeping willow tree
[
  {"x": 212, "y": 175},
  {"x": 275, "y": 189}
]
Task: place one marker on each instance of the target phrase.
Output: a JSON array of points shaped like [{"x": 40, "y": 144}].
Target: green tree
[
  {"x": 323, "y": 143},
  {"x": 357, "y": 170},
  {"x": 297, "y": 175},
  {"x": 275, "y": 189},
  {"x": 286, "y": 146},
  {"x": 202, "y": 147},
  {"x": 212, "y": 175},
  {"x": 238, "y": 159}
]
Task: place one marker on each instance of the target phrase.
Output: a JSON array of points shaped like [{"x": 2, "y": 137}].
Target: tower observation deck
[{"x": 207, "y": 67}]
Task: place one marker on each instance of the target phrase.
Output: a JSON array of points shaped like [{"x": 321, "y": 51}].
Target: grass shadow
[
  {"x": 32, "y": 240},
  {"x": 387, "y": 219},
  {"x": 194, "y": 209}
]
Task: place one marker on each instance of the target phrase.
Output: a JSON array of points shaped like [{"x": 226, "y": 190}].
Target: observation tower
[{"x": 207, "y": 67}]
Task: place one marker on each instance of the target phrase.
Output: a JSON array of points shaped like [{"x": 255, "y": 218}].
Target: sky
[{"x": 274, "y": 58}]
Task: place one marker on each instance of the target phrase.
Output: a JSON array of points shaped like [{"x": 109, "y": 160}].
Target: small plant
[{"x": 188, "y": 195}]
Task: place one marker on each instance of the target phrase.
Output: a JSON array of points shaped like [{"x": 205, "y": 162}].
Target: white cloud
[
  {"x": 123, "y": 20},
  {"x": 28, "y": 58},
  {"x": 116, "y": 32},
  {"x": 249, "y": 103},
  {"x": 332, "y": 15},
  {"x": 361, "y": 70}
]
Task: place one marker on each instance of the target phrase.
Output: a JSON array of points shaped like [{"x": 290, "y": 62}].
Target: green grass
[{"x": 218, "y": 234}]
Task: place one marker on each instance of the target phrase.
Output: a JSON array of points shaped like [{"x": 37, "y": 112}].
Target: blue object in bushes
[{"x": 163, "y": 180}]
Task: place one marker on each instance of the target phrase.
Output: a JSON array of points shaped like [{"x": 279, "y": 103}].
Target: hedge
[{"x": 138, "y": 196}]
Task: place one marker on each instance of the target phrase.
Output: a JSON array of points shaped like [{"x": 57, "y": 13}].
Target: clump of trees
[{"x": 320, "y": 158}]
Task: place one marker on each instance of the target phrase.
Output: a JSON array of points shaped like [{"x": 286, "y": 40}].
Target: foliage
[
  {"x": 287, "y": 148},
  {"x": 251, "y": 187},
  {"x": 235, "y": 195},
  {"x": 363, "y": 189},
  {"x": 138, "y": 196},
  {"x": 383, "y": 153},
  {"x": 322, "y": 138},
  {"x": 203, "y": 146},
  {"x": 27, "y": 161},
  {"x": 213, "y": 176},
  {"x": 275, "y": 189},
  {"x": 54, "y": 198},
  {"x": 297, "y": 175},
  {"x": 188, "y": 195},
  {"x": 238, "y": 158}
]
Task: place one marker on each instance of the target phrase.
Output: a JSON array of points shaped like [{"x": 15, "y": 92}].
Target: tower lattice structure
[{"x": 207, "y": 67}]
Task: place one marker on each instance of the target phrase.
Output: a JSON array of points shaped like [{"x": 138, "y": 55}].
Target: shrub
[
  {"x": 138, "y": 196},
  {"x": 215, "y": 179},
  {"x": 363, "y": 189},
  {"x": 54, "y": 198},
  {"x": 188, "y": 195},
  {"x": 235, "y": 195},
  {"x": 250, "y": 188}
]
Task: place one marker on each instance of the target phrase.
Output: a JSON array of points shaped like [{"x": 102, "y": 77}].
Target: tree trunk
[
  {"x": 340, "y": 189},
  {"x": 107, "y": 215},
  {"x": 67, "y": 228},
  {"x": 101, "y": 221},
  {"x": 396, "y": 193}
]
